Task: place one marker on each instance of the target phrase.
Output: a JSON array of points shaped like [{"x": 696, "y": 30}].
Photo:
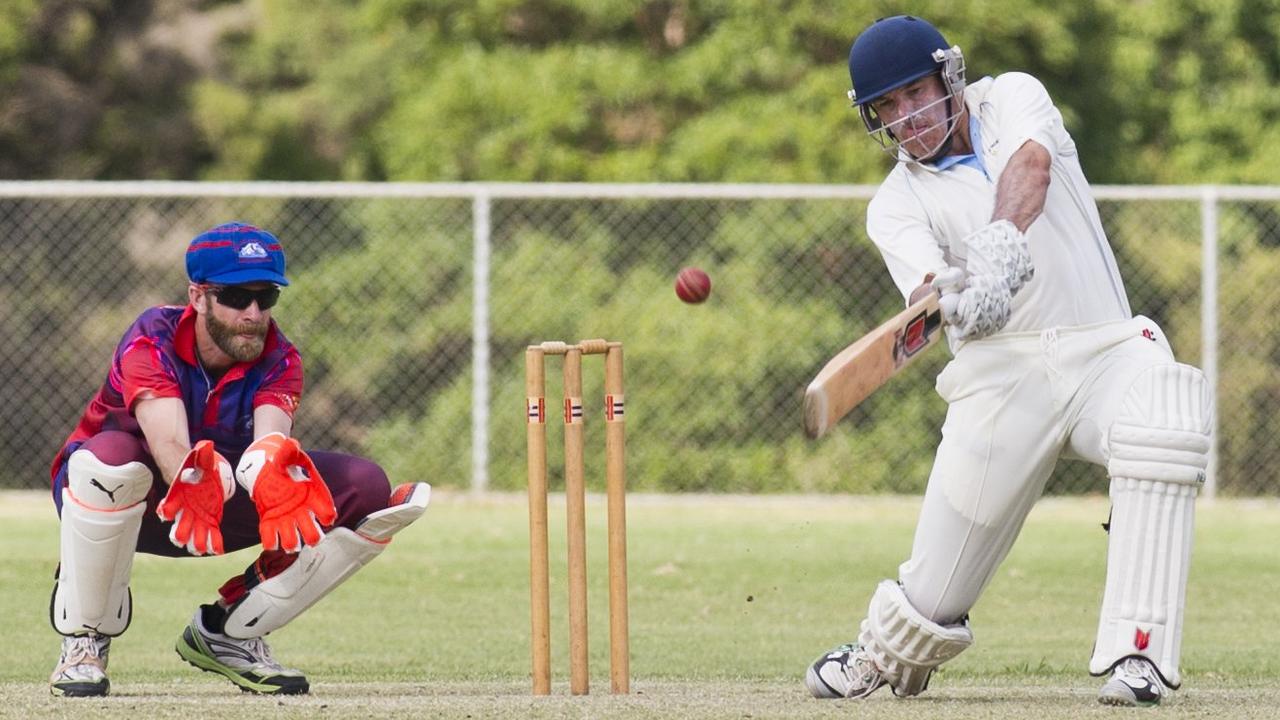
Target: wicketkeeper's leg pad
[
  {"x": 905, "y": 645},
  {"x": 1159, "y": 447},
  {"x": 272, "y": 603},
  {"x": 102, "y": 507}
]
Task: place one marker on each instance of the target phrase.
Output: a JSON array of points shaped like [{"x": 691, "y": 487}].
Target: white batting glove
[
  {"x": 976, "y": 305},
  {"x": 999, "y": 249}
]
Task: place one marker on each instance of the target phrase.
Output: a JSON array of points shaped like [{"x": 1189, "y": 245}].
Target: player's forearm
[
  {"x": 1023, "y": 186},
  {"x": 269, "y": 419},
  {"x": 168, "y": 455},
  {"x": 164, "y": 424}
]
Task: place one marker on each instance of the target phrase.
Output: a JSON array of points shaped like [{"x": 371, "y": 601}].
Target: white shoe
[
  {"x": 247, "y": 663},
  {"x": 1133, "y": 682},
  {"x": 82, "y": 668},
  {"x": 845, "y": 672}
]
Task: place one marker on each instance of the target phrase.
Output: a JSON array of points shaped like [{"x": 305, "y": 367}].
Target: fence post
[
  {"x": 480, "y": 341},
  {"x": 1209, "y": 319}
]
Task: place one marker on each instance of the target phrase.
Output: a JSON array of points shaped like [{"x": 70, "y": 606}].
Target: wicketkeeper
[
  {"x": 988, "y": 206},
  {"x": 186, "y": 450}
]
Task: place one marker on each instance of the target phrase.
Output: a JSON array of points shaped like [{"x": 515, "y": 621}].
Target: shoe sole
[
  {"x": 189, "y": 651},
  {"x": 81, "y": 689},
  {"x": 1118, "y": 700}
]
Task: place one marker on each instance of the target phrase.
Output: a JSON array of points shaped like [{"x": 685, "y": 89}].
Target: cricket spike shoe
[
  {"x": 247, "y": 663},
  {"x": 845, "y": 672},
  {"x": 82, "y": 668},
  {"x": 1133, "y": 682}
]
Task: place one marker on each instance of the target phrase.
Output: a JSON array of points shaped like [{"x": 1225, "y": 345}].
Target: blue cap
[
  {"x": 234, "y": 254},
  {"x": 893, "y": 52}
]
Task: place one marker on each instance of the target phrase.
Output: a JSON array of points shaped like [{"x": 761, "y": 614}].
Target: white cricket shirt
[{"x": 920, "y": 215}]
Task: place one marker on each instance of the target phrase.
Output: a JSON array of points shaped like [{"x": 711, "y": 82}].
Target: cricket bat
[{"x": 850, "y": 377}]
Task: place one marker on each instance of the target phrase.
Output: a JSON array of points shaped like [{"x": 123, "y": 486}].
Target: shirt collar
[{"x": 973, "y": 159}]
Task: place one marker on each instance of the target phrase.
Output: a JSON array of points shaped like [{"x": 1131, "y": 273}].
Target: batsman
[
  {"x": 987, "y": 206},
  {"x": 192, "y": 392}
]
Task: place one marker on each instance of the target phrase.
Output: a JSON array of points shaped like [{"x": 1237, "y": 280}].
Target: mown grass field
[{"x": 731, "y": 597}]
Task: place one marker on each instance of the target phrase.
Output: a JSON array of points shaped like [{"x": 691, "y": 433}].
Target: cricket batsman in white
[{"x": 988, "y": 207}]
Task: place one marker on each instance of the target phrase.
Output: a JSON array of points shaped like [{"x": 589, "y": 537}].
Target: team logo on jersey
[
  {"x": 1149, "y": 334},
  {"x": 252, "y": 250},
  {"x": 1141, "y": 639}
]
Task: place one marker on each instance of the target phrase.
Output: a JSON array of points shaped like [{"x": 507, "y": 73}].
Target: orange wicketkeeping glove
[
  {"x": 293, "y": 502},
  {"x": 195, "y": 498}
]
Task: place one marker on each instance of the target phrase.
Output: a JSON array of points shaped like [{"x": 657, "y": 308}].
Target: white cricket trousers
[{"x": 1017, "y": 402}]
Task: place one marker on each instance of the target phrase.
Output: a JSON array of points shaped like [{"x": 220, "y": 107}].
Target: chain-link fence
[{"x": 412, "y": 305}]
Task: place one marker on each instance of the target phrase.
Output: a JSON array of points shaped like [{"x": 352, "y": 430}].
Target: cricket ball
[{"x": 692, "y": 285}]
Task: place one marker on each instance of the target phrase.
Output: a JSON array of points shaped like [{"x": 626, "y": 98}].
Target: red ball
[{"x": 692, "y": 285}]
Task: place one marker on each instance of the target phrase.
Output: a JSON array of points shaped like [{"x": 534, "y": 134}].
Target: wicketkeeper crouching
[{"x": 192, "y": 392}]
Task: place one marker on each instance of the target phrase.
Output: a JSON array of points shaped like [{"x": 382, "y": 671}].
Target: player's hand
[
  {"x": 1000, "y": 250},
  {"x": 292, "y": 500},
  {"x": 195, "y": 498},
  {"x": 976, "y": 305}
]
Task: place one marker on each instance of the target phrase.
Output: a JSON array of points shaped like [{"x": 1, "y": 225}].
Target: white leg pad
[
  {"x": 381, "y": 525},
  {"x": 275, "y": 601},
  {"x": 102, "y": 507},
  {"x": 319, "y": 569},
  {"x": 905, "y": 645},
  {"x": 1159, "y": 451}
]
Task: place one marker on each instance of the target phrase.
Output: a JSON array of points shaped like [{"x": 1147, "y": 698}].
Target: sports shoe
[
  {"x": 247, "y": 663},
  {"x": 845, "y": 672},
  {"x": 1133, "y": 682},
  {"x": 82, "y": 668}
]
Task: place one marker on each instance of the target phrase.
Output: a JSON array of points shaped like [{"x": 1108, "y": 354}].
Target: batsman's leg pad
[
  {"x": 1159, "y": 448},
  {"x": 277, "y": 600},
  {"x": 906, "y": 645},
  {"x": 102, "y": 507}
]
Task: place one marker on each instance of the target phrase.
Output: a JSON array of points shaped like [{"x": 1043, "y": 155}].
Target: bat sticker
[{"x": 915, "y": 336}]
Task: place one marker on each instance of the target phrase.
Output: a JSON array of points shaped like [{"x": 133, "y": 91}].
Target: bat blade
[{"x": 860, "y": 369}]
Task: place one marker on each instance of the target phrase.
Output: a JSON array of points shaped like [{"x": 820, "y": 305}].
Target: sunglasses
[{"x": 239, "y": 298}]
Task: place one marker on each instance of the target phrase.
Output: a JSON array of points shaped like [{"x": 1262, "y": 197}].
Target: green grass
[{"x": 731, "y": 597}]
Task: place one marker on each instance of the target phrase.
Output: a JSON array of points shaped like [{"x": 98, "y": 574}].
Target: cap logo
[{"x": 252, "y": 251}]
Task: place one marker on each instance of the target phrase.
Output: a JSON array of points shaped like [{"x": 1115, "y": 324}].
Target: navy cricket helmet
[
  {"x": 891, "y": 53},
  {"x": 898, "y": 51}
]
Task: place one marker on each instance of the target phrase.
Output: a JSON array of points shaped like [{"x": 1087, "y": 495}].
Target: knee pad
[
  {"x": 102, "y": 507},
  {"x": 906, "y": 645},
  {"x": 1159, "y": 448},
  {"x": 272, "y": 603}
]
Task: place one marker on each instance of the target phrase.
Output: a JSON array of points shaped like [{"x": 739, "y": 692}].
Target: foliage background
[
  {"x": 544, "y": 90},
  {"x": 1162, "y": 91}
]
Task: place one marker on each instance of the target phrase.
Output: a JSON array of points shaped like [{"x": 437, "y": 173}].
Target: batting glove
[
  {"x": 293, "y": 502},
  {"x": 975, "y": 306},
  {"x": 195, "y": 498},
  {"x": 1000, "y": 250}
]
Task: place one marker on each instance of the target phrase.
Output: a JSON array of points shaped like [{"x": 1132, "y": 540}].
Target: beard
[{"x": 243, "y": 342}]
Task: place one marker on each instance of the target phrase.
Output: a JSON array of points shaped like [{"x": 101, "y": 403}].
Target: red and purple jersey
[{"x": 158, "y": 354}]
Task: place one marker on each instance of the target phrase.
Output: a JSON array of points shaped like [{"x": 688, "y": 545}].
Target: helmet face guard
[
  {"x": 895, "y": 52},
  {"x": 951, "y": 61}
]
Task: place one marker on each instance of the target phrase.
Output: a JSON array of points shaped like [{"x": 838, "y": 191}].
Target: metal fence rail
[{"x": 412, "y": 303}]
